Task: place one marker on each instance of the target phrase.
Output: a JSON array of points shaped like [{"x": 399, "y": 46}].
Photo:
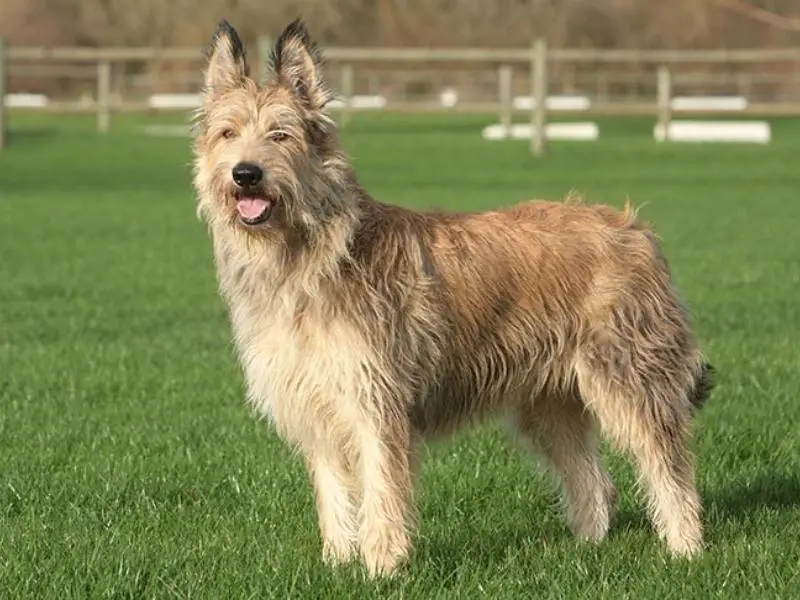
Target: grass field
[{"x": 130, "y": 466}]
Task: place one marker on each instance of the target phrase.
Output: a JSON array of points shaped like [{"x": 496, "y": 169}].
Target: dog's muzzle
[{"x": 253, "y": 205}]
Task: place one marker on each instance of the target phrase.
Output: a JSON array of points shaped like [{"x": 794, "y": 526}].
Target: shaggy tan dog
[{"x": 365, "y": 329}]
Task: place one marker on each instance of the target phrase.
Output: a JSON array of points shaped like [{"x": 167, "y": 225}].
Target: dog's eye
[
  {"x": 279, "y": 136},
  {"x": 228, "y": 134}
]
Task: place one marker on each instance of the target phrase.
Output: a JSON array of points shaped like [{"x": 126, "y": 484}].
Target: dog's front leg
[
  {"x": 386, "y": 509},
  {"x": 336, "y": 510}
]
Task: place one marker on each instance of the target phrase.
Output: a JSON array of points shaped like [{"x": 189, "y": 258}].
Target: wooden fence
[{"x": 656, "y": 70}]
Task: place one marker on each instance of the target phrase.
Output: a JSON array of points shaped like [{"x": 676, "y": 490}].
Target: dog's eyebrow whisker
[
  {"x": 365, "y": 329},
  {"x": 286, "y": 132}
]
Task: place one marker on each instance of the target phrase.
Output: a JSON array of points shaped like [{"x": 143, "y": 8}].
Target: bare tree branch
[{"x": 759, "y": 14}]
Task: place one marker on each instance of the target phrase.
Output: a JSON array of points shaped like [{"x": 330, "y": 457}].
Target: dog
[{"x": 365, "y": 330}]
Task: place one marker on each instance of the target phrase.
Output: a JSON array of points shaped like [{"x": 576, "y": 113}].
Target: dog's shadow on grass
[
  {"x": 745, "y": 498},
  {"x": 513, "y": 534},
  {"x": 519, "y": 532},
  {"x": 478, "y": 547}
]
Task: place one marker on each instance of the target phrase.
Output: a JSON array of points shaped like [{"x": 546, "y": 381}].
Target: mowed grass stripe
[{"x": 130, "y": 465}]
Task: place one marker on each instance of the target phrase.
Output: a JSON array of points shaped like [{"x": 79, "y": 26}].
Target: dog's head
[{"x": 267, "y": 155}]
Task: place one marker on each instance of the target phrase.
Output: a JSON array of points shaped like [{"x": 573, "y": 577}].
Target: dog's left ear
[
  {"x": 227, "y": 65},
  {"x": 298, "y": 62}
]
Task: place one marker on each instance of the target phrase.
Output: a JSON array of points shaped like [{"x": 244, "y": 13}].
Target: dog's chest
[{"x": 304, "y": 371}]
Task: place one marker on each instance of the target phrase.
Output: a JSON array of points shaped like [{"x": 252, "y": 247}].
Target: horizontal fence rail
[
  {"x": 434, "y": 55},
  {"x": 534, "y": 81}
]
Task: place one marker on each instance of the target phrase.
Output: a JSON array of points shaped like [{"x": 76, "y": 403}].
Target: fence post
[
  {"x": 103, "y": 96},
  {"x": 264, "y": 51},
  {"x": 505, "y": 94},
  {"x": 3, "y": 122},
  {"x": 664, "y": 100},
  {"x": 347, "y": 91},
  {"x": 539, "y": 95}
]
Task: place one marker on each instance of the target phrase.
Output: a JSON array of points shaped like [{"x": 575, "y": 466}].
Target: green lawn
[{"x": 130, "y": 466}]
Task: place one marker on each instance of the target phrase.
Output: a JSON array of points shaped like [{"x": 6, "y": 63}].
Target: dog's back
[{"x": 507, "y": 300}]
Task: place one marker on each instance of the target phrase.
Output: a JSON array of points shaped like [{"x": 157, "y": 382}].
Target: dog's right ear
[{"x": 227, "y": 64}]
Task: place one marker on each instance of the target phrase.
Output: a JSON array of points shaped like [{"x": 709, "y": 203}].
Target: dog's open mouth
[{"x": 254, "y": 207}]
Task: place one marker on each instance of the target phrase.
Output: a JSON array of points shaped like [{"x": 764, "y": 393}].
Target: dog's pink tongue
[{"x": 251, "y": 208}]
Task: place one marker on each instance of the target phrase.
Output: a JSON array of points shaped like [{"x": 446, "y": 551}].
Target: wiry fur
[{"x": 365, "y": 329}]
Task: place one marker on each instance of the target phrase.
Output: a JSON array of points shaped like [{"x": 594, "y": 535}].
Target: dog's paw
[
  {"x": 591, "y": 520},
  {"x": 685, "y": 546},
  {"x": 384, "y": 555},
  {"x": 337, "y": 553}
]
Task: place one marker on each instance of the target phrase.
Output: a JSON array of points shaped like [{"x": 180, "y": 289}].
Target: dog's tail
[{"x": 704, "y": 385}]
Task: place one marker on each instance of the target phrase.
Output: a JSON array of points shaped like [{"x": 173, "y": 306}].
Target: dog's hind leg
[
  {"x": 557, "y": 428},
  {"x": 647, "y": 411},
  {"x": 336, "y": 509}
]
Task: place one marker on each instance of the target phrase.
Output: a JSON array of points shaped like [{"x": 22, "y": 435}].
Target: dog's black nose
[{"x": 247, "y": 174}]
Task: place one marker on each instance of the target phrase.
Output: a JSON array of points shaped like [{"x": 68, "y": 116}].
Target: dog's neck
[{"x": 301, "y": 260}]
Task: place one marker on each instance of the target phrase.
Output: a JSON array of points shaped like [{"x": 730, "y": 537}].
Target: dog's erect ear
[
  {"x": 227, "y": 65},
  {"x": 298, "y": 62}
]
